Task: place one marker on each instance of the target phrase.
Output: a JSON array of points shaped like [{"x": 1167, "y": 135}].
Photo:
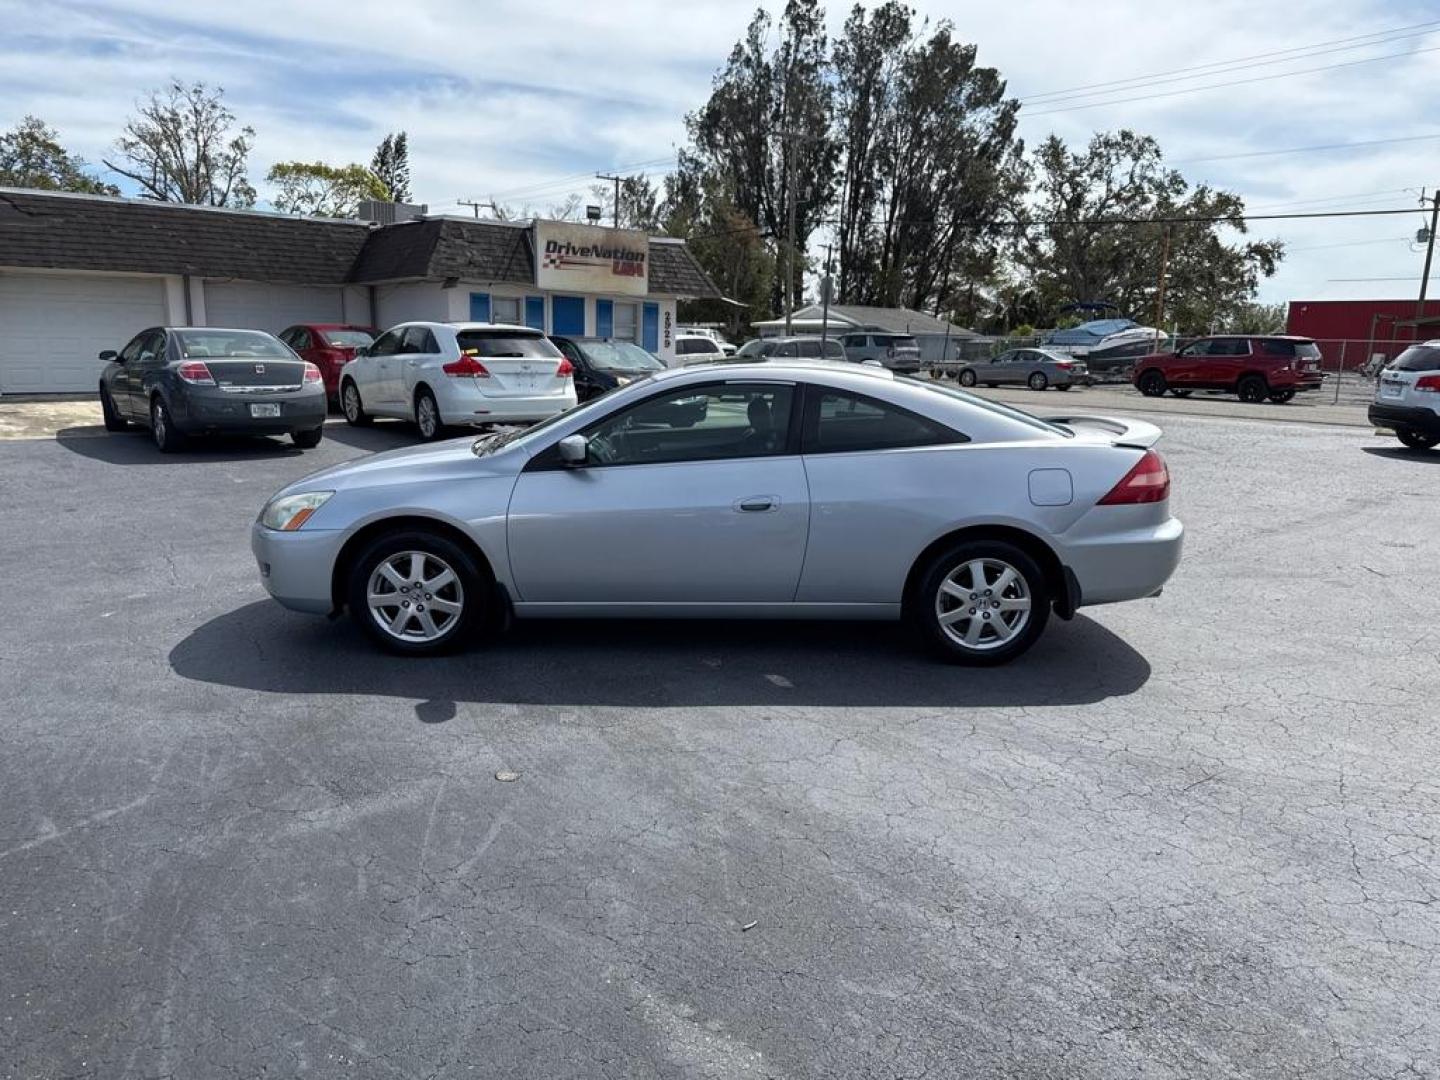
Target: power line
[
  {"x": 1320, "y": 48},
  {"x": 1235, "y": 82},
  {"x": 1350, "y": 243},
  {"x": 1366, "y": 196},
  {"x": 529, "y": 190},
  {"x": 1216, "y": 219},
  {"x": 1307, "y": 149}
]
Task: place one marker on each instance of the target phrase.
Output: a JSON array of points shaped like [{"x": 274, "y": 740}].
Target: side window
[
  {"x": 1231, "y": 347},
  {"x": 810, "y": 349},
  {"x": 704, "y": 423},
  {"x": 854, "y": 341},
  {"x": 788, "y": 349},
  {"x": 1277, "y": 348},
  {"x": 833, "y": 351},
  {"x": 1197, "y": 348},
  {"x": 300, "y": 339},
  {"x": 1004, "y": 358},
  {"x": 416, "y": 339},
  {"x": 152, "y": 345},
  {"x": 131, "y": 351},
  {"x": 387, "y": 344},
  {"x": 837, "y": 421}
]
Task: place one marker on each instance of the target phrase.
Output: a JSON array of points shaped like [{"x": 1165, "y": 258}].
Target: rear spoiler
[{"x": 1134, "y": 433}]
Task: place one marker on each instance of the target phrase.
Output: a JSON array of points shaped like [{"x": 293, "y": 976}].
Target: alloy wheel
[
  {"x": 982, "y": 604},
  {"x": 415, "y": 596},
  {"x": 351, "y": 403},
  {"x": 427, "y": 416},
  {"x": 158, "y": 423}
]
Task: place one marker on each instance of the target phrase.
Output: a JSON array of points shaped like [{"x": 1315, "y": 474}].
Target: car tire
[
  {"x": 113, "y": 420},
  {"x": 991, "y": 385},
  {"x": 308, "y": 440},
  {"x": 1280, "y": 397},
  {"x": 470, "y": 589},
  {"x": 1415, "y": 441},
  {"x": 352, "y": 406},
  {"x": 1252, "y": 389},
  {"x": 967, "y": 378},
  {"x": 947, "y": 583},
  {"x": 1153, "y": 384},
  {"x": 1181, "y": 393},
  {"x": 427, "y": 416},
  {"x": 162, "y": 427},
  {"x": 1063, "y": 386}
]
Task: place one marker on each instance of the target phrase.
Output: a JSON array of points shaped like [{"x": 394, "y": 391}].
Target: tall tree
[
  {"x": 179, "y": 148},
  {"x": 391, "y": 164},
  {"x": 767, "y": 126},
  {"x": 31, "y": 157},
  {"x": 323, "y": 190},
  {"x": 1092, "y": 233}
]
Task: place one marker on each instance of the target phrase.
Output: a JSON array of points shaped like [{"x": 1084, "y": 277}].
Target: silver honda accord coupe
[{"x": 750, "y": 490}]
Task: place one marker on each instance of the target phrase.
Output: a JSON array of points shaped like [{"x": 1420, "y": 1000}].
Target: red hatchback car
[
  {"x": 1253, "y": 366},
  {"x": 329, "y": 346}
]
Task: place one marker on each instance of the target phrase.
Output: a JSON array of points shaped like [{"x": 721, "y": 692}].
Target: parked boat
[{"x": 1108, "y": 345}]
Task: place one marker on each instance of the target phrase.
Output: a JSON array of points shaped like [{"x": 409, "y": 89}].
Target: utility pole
[
  {"x": 790, "y": 138},
  {"x": 826, "y": 285},
  {"x": 473, "y": 205},
  {"x": 617, "y": 179},
  {"x": 1429, "y": 254},
  {"x": 1160, "y": 292}
]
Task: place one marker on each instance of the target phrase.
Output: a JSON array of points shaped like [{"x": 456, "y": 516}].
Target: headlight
[{"x": 289, "y": 513}]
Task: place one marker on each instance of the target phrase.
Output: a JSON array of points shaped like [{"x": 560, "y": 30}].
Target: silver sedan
[
  {"x": 768, "y": 490},
  {"x": 1035, "y": 368}
]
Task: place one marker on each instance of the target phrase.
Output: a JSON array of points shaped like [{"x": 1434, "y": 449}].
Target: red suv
[
  {"x": 329, "y": 346},
  {"x": 1253, "y": 366}
]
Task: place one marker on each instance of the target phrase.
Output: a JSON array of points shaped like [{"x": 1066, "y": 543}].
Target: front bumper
[
  {"x": 215, "y": 411},
  {"x": 1422, "y": 421},
  {"x": 1127, "y": 563},
  {"x": 296, "y": 567}
]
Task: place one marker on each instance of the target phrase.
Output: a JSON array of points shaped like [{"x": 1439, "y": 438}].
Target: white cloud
[{"x": 508, "y": 95}]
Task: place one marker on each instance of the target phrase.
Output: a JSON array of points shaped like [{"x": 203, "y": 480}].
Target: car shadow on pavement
[
  {"x": 381, "y": 435},
  {"x": 655, "y": 664},
  {"x": 136, "y": 447},
  {"x": 1401, "y": 453}
]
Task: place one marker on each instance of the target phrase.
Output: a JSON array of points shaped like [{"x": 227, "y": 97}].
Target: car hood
[{"x": 435, "y": 462}]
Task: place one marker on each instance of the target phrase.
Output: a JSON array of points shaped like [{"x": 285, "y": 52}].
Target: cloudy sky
[{"x": 521, "y": 100}]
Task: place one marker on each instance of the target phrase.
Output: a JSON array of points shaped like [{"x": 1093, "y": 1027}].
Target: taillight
[
  {"x": 195, "y": 371},
  {"x": 312, "y": 373},
  {"x": 466, "y": 366},
  {"x": 1063, "y": 364},
  {"x": 1147, "y": 482},
  {"x": 1428, "y": 383},
  {"x": 565, "y": 370}
]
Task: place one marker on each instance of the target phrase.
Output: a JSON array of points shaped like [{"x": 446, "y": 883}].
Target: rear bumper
[
  {"x": 467, "y": 406},
  {"x": 295, "y": 567},
  {"x": 217, "y": 412},
  {"x": 1406, "y": 418},
  {"x": 1125, "y": 565}
]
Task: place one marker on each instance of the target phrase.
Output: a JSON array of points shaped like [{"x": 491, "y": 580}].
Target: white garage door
[
  {"x": 52, "y": 327},
  {"x": 250, "y": 305}
]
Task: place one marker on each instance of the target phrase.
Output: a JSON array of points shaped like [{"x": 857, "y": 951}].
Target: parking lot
[{"x": 1187, "y": 836}]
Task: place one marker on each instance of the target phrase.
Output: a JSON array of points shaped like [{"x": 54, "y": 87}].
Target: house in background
[
  {"x": 82, "y": 273},
  {"x": 939, "y": 340}
]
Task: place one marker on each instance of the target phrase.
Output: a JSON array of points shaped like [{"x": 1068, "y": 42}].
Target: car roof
[
  {"x": 335, "y": 326},
  {"x": 800, "y": 337},
  {"x": 769, "y": 369},
  {"x": 480, "y": 326},
  {"x": 219, "y": 329}
]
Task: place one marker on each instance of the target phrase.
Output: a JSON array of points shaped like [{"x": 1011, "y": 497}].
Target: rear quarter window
[{"x": 1418, "y": 358}]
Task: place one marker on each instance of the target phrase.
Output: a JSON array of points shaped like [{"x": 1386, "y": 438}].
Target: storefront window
[
  {"x": 627, "y": 322},
  {"x": 506, "y": 309}
]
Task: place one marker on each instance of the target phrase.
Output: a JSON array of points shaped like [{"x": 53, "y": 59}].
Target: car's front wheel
[
  {"x": 417, "y": 593},
  {"x": 351, "y": 405},
  {"x": 1153, "y": 384},
  {"x": 113, "y": 420},
  {"x": 981, "y": 602},
  {"x": 1415, "y": 441},
  {"x": 967, "y": 377},
  {"x": 162, "y": 428}
]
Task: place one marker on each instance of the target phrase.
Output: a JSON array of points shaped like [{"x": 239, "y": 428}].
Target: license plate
[
  {"x": 258, "y": 411},
  {"x": 1392, "y": 389}
]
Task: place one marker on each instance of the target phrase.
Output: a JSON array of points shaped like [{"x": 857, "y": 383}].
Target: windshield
[
  {"x": 506, "y": 343},
  {"x": 1418, "y": 358},
  {"x": 488, "y": 444},
  {"x": 990, "y": 406},
  {"x": 352, "y": 339},
  {"x": 619, "y": 356},
  {"x": 221, "y": 343}
]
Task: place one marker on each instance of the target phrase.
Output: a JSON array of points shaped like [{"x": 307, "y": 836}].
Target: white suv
[
  {"x": 1407, "y": 396},
  {"x": 467, "y": 374}
]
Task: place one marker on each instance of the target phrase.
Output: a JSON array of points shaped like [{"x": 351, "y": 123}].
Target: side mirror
[
  {"x": 574, "y": 449},
  {"x": 108, "y": 355},
  {"x": 363, "y": 350}
]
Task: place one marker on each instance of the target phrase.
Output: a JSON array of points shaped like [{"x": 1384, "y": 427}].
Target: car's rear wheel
[
  {"x": 1252, "y": 389},
  {"x": 417, "y": 593},
  {"x": 967, "y": 377},
  {"x": 113, "y": 420},
  {"x": 351, "y": 405},
  {"x": 1280, "y": 397},
  {"x": 162, "y": 428},
  {"x": 1415, "y": 441},
  {"x": 981, "y": 602},
  {"x": 1153, "y": 384},
  {"x": 307, "y": 440},
  {"x": 1037, "y": 380},
  {"x": 427, "y": 416}
]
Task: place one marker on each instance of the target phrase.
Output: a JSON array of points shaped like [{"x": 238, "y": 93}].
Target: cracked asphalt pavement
[{"x": 1191, "y": 836}]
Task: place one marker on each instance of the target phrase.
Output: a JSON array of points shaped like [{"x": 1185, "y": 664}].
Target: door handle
[{"x": 757, "y": 504}]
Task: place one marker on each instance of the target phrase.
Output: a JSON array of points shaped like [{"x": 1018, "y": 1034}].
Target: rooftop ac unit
[{"x": 390, "y": 213}]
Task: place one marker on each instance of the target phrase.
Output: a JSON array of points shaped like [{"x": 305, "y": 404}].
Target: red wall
[{"x": 1330, "y": 322}]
